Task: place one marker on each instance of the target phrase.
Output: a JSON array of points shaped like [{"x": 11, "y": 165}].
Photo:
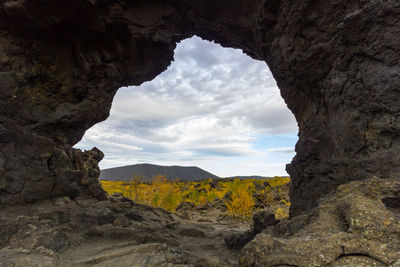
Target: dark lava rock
[
  {"x": 191, "y": 231},
  {"x": 227, "y": 197},
  {"x": 214, "y": 184},
  {"x": 258, "y": 186},
  {"x": 351, "y": 227},
  {"x": 205, "y": 206},
  {"x": 335, "y": 62},
  {"x": 185, "y": 205},
  {"x": 267, "y": 185},
  {"x": 117, "y": 195},
  {"x": 259, "y": 200},
  {"x": 61, "y": 63},
  {"x": 262, "y": 219},
  {"x": 392, "y": 202},
  {"x": 134, "y": 216},
  {"x": 201, "y": 190},
  {"x": 239, "y": 240}
]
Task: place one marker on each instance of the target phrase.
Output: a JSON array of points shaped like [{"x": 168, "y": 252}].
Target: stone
[
  {"x": 257, "y": 186},
  {"x": 153, "y": 254},
  {"x": 209, "y": 262},
  {"x": 205, "y": 206},
  {"x": 117, "y": 195},
  {"x": 23, "y": 257},
  {"x": 59, "y": 201},
  {"x": 261, "y": 220},
  {"x": 185, "y": 205},
  {"x": 350, "y": 227},
  {"x": 86, "y": 231},
  {"x": 392, "y": 202},
  {"x": 134, "y": 216},
  {"x": 109, "y": 231},
  {"x": 201, "y": 190},
  {"x": 239, "y": 240},
  {"x": 214, "y": 184},
  {"x": 191, "y": 231},
  {"x": 339, "y": 81},
  {"x": 335, "y": 63}
]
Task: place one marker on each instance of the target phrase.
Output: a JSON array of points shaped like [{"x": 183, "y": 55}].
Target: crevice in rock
[
  {"x": 360, "y": 255},
  {"x": 392, "y": 202}
]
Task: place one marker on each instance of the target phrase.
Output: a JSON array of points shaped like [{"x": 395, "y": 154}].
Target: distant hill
[
  {"x": 253, "y": 177},
  {"x": 248, "y": 177},
  {"x": 148, "y": 171}
]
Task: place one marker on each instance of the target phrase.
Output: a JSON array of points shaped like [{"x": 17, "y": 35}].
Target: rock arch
[{"x": 61, "y": 62}]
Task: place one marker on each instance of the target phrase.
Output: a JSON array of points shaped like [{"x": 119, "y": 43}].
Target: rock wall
[
  {"x": 61, "y": 62},
  {"x": 354, "y": 226}
]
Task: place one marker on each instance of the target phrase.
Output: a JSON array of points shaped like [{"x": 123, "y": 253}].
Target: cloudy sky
[{"x": 214, "y": 108}]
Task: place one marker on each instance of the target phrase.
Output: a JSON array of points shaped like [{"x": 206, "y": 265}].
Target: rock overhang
[{"x": 62, "y": 62}]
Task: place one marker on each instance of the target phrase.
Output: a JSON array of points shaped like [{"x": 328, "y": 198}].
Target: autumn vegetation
[{"x": 242, "y": 197}]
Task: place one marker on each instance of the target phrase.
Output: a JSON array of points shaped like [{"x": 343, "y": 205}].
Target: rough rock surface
[
  {"x": 336, "y": 63},
  {"x": 115, "y": 232},
  {"x": 351, "y": 227},
  {"x": 262, "y": 220},
  {"x": 61, "y": 62}
]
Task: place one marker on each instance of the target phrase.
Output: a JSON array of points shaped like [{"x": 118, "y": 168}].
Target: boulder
[
  {"x": 351, "y": 227},
  {"x": 261, "y": 220},
  {"x": 239, "y": 239}
]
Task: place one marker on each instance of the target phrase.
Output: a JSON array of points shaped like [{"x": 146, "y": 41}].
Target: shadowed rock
[
  {"x": 335, "y": 62},
  {"x": 61, "y": 63},
  {"x": 262, "y": 220},
  {"x": 239, "y": 240}
]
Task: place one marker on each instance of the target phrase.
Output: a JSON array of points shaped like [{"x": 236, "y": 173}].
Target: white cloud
[{"x": 207, "y": 107}]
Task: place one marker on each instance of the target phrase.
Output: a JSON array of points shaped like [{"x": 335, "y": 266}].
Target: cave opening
[
  {"x": 214, "y": 108},
  {"x": 61, "y": 63}
]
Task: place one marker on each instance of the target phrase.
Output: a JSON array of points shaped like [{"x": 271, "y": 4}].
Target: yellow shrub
[
  {"x": 278, "y": 181},
  {"x": 281, "y": 213},
  {"x": 287, "y": 203},
  {"x": 267, "y": 199},
  {"x": 165, "y": 194},
  {"x": 202, "y": 200},
  {"x": 242, "y": 203}
]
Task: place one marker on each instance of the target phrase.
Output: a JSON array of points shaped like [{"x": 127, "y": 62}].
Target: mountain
[
  {"x": 252, "y": 177},
  {"x": 248, "y": 177},
  {"x": 148, "y": 171}
]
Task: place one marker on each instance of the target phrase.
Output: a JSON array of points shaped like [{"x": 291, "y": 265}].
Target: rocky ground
[
  {"x": 356, "y": 226},
  {"x": 115, "y": 232}
]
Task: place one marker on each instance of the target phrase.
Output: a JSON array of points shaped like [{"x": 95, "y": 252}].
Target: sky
[{"x": 214, "y": 107}]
